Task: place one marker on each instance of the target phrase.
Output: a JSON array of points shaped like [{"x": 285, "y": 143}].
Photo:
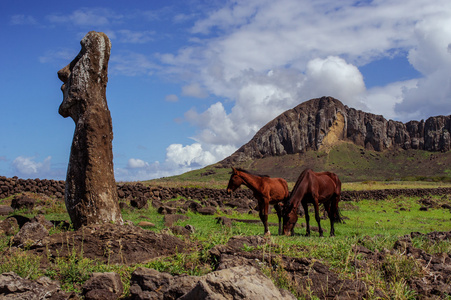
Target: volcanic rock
[{"x": 321, "y": 122}]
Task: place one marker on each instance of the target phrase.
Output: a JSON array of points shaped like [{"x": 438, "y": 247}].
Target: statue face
[
  {"x": 69, "y": 88},
  {"x": 85, "y": 75}
]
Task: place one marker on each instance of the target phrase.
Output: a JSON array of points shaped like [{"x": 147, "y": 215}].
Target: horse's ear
[{"x": 234, "y": 170}]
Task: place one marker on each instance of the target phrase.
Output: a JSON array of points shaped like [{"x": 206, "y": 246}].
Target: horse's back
[{"x": 278, "y": 188}]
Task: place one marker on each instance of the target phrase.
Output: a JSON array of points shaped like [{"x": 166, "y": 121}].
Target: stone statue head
[{"x": 85, "y": 76}]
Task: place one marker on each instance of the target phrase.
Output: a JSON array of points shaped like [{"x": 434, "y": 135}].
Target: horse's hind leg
[
  {"x": 330, "y": 213},
  {"x": 278, "y": 209},
  {"x": 264, "y": 208},
  {"x": 307, "y": 218}
]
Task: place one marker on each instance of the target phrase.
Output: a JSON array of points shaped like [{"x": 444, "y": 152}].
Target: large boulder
[
  {"x": 240, "y": 282},
  {"x": 14, "y": 287}
]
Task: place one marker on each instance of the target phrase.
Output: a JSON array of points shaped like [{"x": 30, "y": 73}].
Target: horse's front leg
[
  {"x": 264, "y": 208},
  {"x": 307, "y": 218},
  {"x": 318, "y": 219}
]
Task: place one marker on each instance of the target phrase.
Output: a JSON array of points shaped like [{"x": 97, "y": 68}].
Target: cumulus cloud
[
  {"x": 171, "y": 98},
  {"x": 23, "y": 20},
  {"x": 132, "y": 64},
  {"x": 432, "y": 57},
  {"x": 134, "y": 163},
  {"x": 258, "y": 58},
  {"x": 194, "y": 90},
  {"x": 27, "y": 166},
  {"x": 134, "y": 37},
  {"x": 86, "y": 17},
  {"x": 333, "y": 76},
  {"x": 266, "y": 57},
  {"x": 179, "y": 159},
  {"x": 190, "y": 155}
]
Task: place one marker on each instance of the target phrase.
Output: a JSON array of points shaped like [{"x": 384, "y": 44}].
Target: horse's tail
[{"x": 338, "y": 217}]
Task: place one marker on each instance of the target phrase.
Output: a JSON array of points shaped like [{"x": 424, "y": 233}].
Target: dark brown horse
[
  {"x": 267, "y": 191},
  {"x": 316, "y": 188}
]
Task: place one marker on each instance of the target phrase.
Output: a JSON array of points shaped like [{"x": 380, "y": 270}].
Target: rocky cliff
[{"x": 321, "y": 122}]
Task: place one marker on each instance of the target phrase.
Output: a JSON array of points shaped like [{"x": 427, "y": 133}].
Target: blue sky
[{"x": 191, "y": 81}]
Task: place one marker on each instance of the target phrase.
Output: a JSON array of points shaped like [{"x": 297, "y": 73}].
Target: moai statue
[{"x": 91, "y": 191}]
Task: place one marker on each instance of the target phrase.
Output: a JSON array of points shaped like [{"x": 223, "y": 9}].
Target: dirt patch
[{"x": 335, "y": 133}]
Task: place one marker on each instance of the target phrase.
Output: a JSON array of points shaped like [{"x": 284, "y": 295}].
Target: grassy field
[{"x": 375, "y": 224}]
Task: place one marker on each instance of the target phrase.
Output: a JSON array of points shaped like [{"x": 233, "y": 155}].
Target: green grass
[{"x": 376, "y": 225}]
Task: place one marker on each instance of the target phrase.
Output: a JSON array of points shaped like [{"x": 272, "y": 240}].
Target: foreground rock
[
  {"x": 91, "y": 192},
  {"x": 14, "y": 287},
  {"x": 235, "y": 283}
]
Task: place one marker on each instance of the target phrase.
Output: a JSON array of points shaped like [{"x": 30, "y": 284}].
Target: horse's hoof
[{"x": 268, "y": 233}]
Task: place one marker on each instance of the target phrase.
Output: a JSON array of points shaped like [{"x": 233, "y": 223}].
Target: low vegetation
[{"x": 376, "y": 225}]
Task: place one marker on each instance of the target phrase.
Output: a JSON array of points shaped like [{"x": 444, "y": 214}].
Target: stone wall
[{"x": 141, "y": 193}]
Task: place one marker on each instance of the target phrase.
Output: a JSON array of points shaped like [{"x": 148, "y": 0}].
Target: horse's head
[
  {"x": 234, "y": 182},
  {"x": 290, "y": 217}
]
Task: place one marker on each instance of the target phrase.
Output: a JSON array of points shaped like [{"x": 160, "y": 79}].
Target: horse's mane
[{"x": 250, "y": 173}]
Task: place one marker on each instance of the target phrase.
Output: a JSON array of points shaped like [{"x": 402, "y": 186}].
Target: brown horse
[
  {"x": 267, "y": 191},
  {"x": 316, "y": 188}
]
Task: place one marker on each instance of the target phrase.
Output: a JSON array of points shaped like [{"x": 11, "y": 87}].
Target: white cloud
[
  {"x": 27, "y": 166},
  {"x": 87, "y": 17},
  {"x": 171, "y": 98},
  {"x": 131, "y": 64},
  {"x": 190, "y": 155},
  {"x": 134, "y": 163},
  {"x": 23, "y": 20},
  {"x": 259, "y": 58},
  {"x": 134, "y": 37},
  {"x": 194, "y": 90},
  {"x": 334, "y": 77},
  {"x": 179, "y": 159},
  {"x": 431, "y": 56},
  {"x": 265, "y": 57}
]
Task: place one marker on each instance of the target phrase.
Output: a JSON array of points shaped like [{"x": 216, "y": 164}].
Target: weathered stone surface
[
  {"x": 241, "y": 282},
  {"x": 9, "y": 226},
  {"x": 31, "y": 234},
  {"x": 318, "y": 122},
  {"x": 150, "y": 284},
  {"x": 103, "y": 284},
  {"x": 22, "y": 202},
  {"x": 91, "y": 192},
  {"x": 6, "y": 210},
  {"x": 14, "y": 287}
]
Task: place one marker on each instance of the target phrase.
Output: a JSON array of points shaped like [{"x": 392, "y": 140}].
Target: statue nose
[{"x": 63, "y": 74}]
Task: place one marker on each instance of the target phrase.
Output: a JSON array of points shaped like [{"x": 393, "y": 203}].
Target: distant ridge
[{"x": 322, "y": 122}]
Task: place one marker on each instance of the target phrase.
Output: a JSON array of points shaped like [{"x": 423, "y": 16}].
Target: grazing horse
[
  {"x": 316, "y": 188},
  {"x": 267, "y": 191}
]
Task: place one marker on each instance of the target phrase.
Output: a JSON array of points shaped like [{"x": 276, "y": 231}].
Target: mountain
[
  {"x": 321, "y": 132},
  {"x": 320, "y": 123}
]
